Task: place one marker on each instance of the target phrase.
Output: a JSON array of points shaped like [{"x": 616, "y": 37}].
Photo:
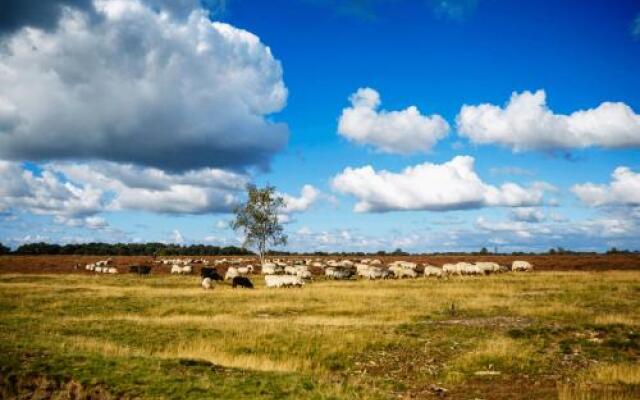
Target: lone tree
[{"x": 258, "y": 219}]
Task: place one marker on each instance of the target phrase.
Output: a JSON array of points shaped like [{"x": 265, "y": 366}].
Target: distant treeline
[
  {"x": 126, "y": 249},
  {"x": 161, "y": 249}
]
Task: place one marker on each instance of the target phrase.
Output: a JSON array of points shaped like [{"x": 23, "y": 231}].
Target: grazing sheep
[
  {"x": 176, "y": 269},
  {"x": 473, "y": 269},
  {"x": 521, "y": 266},
  {"x": 361, "y": 267},
  {"x": 406, "y": 273},
  {"x": 211, "y": 273},
  {"x": 339, "y": 273},
  {"x": 277, "y": 281},
  {"x": 241, "y": 281},
  {"x": 451, "y": 269},
  {"x": 207, "y": 283},
  {"x": 304, "y": 274},
  {"x": 371, "y": 273},
  {"x": 430, "y": 270},
  {"x": 462, "y": 267},
  {"x": 488, "y": 267},
  {"x": 112, "y": 270},
  {"x": 386, "y": 274},
  {"x": 375, "y": 261},
  {"x": 290, "y": 270},
  {"x": 271, "y": 269},
  {"x": 232, "y": 272},
  {"x": 98, "y": 269},
  {"x": 246, "y": 270},
  {"x": 404, "y": 264},
  {"x": 90, "y": 267}
]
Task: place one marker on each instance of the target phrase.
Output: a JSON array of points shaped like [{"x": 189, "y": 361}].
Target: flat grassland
[{"x": 541, "y": 335}]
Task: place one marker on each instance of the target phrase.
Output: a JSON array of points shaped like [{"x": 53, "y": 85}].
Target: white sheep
[
  {"x": 404, "y": 264},
  {"x": 450, "y": 269},
  {"x": 406, "y": 273},
  {"x": 488, "y": 267},
  {"x": 371, "y": 273},
  {"x": 112, "y": 270},
  {"x": 463, "y": 268},
  {"x": 277, "y": 281},
  {"x": 232, "y": 272},
  {"x": 290, "y": 270},
  {"x": 207, "y": 283},
  {"x": 271, "y": 269},
  {"x": 304, "y": 273},
  {"x": 521, "y": 266},
  {"x": 430, "y": 270}
]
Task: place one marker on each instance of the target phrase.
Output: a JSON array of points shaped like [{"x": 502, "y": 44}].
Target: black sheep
[
  {"x": 212, "y": 273},
  {"x": 242, "y": 281}
]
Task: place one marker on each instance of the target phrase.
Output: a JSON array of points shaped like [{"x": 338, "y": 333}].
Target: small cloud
[
  {"x": 177, "y": 237},
  {"x": 511, "y": 170},
  {"x": 404, "y": 131},
  {"x": 221, "y": 224},
  {"x": 457, "y": 10}
]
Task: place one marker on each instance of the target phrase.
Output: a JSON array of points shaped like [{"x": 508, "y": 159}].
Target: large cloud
[
  {"x": 74, "y": 194},
  {"x": 43, "y": 14},
  {"x": 526, "y": 123},
  {"x": 404, "y": 132},
  {"x": 149, "y": 189},
  {"x": 436, "y": 187},
  {"x": 47, "y": 194},
  {"x": 623, "y": 190},
  {"x": 140, "y": 86}
]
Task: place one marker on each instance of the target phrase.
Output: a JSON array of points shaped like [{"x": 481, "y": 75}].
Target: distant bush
[{"x": 4, "y": 249}]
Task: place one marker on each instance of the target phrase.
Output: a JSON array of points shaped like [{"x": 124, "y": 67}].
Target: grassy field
[{"x": 544, "y": 335}]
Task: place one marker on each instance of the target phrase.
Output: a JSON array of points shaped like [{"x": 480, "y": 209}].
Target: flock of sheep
[
  {"x": 103, "y": 266},
  {"x": 295, "y": 273}
]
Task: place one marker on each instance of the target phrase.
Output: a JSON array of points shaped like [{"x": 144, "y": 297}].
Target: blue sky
[{"x": 188, "y": 135}]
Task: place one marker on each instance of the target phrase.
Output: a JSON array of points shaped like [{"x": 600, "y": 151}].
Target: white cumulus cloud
[
  {"x": 403, "y": 132},
  {"x": 47, "y": 194},
  {"x": 138, "y": 85},
  {"x": 526, "y": 123},
  {"x": 436, "y": 187},
  {"x": 624, "y": 189},
  {"x": 308, "y": 196},
  {"x": 130, "y": 187}
]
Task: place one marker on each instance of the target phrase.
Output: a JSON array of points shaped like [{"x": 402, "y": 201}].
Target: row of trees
[
  {"x": 161, "y": 249},
  {"x": 127, "y": 249}
]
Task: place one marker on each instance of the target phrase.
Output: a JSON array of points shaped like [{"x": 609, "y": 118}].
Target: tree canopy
[{"x": 257, "y": 218}]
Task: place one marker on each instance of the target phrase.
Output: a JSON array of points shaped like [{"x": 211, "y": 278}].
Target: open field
[
  {"x": 65, "y": 264},
  {"x": 541, "y": 335}
]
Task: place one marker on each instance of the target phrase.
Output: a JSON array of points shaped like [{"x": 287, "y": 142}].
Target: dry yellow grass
[
  {"x": 610, "y": 374},
  {"x": 396, "y": 329}
]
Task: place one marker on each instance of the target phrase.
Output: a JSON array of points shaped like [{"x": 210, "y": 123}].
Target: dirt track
[{"x": 67, "y": 264}]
